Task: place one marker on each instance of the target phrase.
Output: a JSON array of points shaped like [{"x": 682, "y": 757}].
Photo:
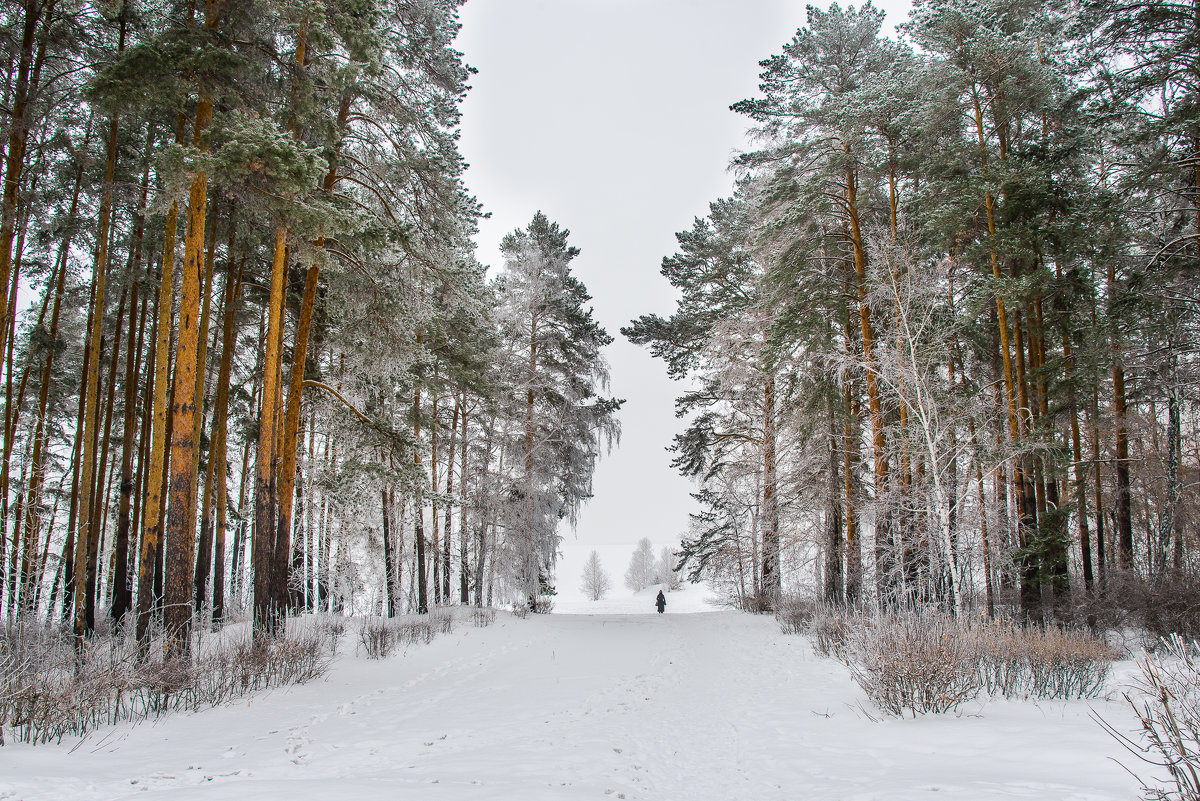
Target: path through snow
[{"x": 716, "y": 705}]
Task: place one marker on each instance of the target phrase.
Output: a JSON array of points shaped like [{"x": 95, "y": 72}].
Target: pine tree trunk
[
  {"x": 122, "y": 596},
  {"x": 85, "y": 543},
  {"x": 389, "y": 558},
  {"x": 419, "y": 504},
  {"x": 218, "y": 451},
  {"x": 265, "y": 487},
  {"x": 850, "y": 445},
  {"x": 464, "y": 573},
  {"x": 104, "y": 485},
  {"x": 833, "y": 590},
  {"x": 772, "y": 581},
  {"x": 291, "y": 427},
  {"x": 152, "y": 513},
  {"x": 32, "y": 505},
  {"x": 435, "y": 541},
  {"x": 883, "y": 515},
  {"x": 449, "y": 506},
  {"x": 14, "y": 158}
]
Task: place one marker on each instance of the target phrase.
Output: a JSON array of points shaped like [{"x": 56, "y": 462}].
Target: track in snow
[{"x": 704, "y": 706}]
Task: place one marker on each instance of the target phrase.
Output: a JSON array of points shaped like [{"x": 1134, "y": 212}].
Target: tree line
[
  {"x": 250, "y": 362},
  {"x": 940, "y": 344}
]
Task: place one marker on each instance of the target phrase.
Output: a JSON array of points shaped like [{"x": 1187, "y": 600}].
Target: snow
[{"x": 709, "y": 705}]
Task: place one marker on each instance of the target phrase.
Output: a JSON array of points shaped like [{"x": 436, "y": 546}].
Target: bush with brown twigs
[
  {"x": 1166, "y": 699},
  {"x": 925, "y": 661},
  {"x": 49, "y": 691},
  {"x": 378, "y": 637},
  {"x": 915, "y": 663}
]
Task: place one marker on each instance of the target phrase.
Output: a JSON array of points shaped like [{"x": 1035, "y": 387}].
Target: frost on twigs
[
  {"x": 483, "y": 616},
  {"x": 49, "y": 691},
  {"x": 1166, "y": 699},
  {"x": 914, "y": 663},
  {"x": 378, "y": 637},
  {"x": 924, "y": 661}
]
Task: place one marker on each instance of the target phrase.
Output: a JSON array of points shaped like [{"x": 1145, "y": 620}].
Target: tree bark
[
  {"x": 152, "y": 516},
  {"x": 291, "y": 427},
  {"x": 265, "y": 488}
]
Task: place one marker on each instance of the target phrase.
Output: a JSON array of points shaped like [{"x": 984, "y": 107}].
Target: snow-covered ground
[{"x": 713, "y": 705}]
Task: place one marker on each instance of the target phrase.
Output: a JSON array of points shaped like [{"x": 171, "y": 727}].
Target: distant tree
[
  {"x": 596, "y": 582},
  {"x": 642, "y": 572},
  {"x": 666, "y": 570}
]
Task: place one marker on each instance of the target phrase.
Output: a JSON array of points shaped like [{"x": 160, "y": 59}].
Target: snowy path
[{"x": 705, "y": 706}]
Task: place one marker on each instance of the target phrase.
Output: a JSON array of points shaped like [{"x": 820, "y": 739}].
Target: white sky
[{"x": 612, "y": 117}]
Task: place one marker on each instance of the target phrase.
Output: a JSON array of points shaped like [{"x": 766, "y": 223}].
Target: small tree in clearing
[
  {"x": 641, "y": 573},
  {"x": 667, "y": 574},
  {"x": 596, "y": 583}
]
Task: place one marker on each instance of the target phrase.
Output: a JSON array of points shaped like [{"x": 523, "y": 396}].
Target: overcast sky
[{"x": 612, "y": 117}]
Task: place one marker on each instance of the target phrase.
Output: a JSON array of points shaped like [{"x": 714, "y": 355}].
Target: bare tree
[
  {"x": 596, "y": 582},
  {"x": 641, "y": 573},
  {"x": 666, "y": 570}
]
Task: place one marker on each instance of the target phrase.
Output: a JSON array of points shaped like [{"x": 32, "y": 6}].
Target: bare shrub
[
  {"x": 443, "y": 620},
  {"x": 331, "y": 629},
  {"x": 831, "y": 630},
  {"x": 413, "y": 631},
  {"x": 1042, "y": 661},
  {"x": 1157, "y": 608},
  {"x": 1166, "y": 699},
  {"x": 1066, "y": 663},
  {"x": 49, "y": 691},
  {"x": 483, "y": 616},
  {"x": 924, "y": 661},
  {"x": 794, "y": 613},
  {"x": 915, "y": 663},
  {"x": 758, "y": 603},
  {"x": 377, "y": 637}
]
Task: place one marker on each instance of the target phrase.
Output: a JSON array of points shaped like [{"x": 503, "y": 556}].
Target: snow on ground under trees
[{"x": 709, "y": 705}]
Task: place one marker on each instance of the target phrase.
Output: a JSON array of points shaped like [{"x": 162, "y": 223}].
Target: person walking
[{"x": 660, "y": 602}]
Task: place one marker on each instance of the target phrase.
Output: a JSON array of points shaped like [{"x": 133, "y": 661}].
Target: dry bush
[
  {"x": 412, "y": 631},
  {"x": 331, "y": 629},
  {"x": 483, "y": 616},
  {"x": 1042, "y": 661},
  {"x": 1156, "y": 608},
  {"x": 925, "y": 661},
  {"x": 757, "y": 603},
  {"x": 1166, "y": 699},
  {"x": 1066, "y": 663},
  {"x": 48, "y": 691},
  {"x": 914, "y": 662},
  {"x": 377, "y": 637},
  {"x": 794, "y": 613},
  {"x": 831, "y": 630},
  {"x": 443, "y": 620}
]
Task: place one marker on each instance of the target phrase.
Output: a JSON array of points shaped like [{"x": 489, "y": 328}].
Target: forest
[
  {"x": 252, "y": 367},
  {"x": 939, "y": 347}
]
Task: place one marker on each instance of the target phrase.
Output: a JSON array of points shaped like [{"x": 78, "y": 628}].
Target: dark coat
[{"x": 660, "y": 601}]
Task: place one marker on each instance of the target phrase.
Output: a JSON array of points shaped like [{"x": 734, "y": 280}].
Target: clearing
[{"x": 713, "y": 705}]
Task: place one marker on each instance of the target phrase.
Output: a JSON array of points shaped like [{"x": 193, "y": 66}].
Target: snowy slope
[{"x": 714, "y": 705}]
